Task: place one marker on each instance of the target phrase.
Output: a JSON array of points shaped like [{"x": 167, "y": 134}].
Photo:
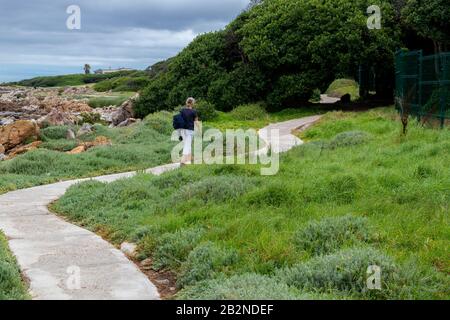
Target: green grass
[
  {"x": 141, "y": 146},
  {"x": 112, "y": 100},
  {"x": 70, "y": 79},
  {"x": 228, "y": 232},
  {"x": 11, "y": 285},
  {"x": 251, "y": 116},
  {"x": 341, "y": 87}
]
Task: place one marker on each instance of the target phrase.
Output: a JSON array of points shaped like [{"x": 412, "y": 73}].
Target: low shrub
[
  {"x": 206, "y": 111},
  {"x": 204, "y": 262},
  {"x": 242, "y": 287},
  {"x": 91, "y": 118},
  {"x": 349, "y": 138},
  {"x": 160, "y": 122},
  {"x": 173, "y": 249},
  {"x": 214, "y": 189},
  {"x": 249, "y": 112},
  {"x": 345, "y": 270},
  {"x": 330, "y": 234},
  {"x": 101, "y": 102},
  {"x": 315, "y": 97},
  {"x": 62, "y": 145},
  {"x": 54, "y": 133}
]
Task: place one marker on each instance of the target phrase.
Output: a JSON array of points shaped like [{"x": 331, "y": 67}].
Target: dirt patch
[{"x": 165, "y": 281}]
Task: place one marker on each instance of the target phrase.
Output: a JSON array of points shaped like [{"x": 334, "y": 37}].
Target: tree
[
  {"x": 430, "y": 19},
  {"x": 279, "y": 51},
  {"x": 87, "y": 69}
]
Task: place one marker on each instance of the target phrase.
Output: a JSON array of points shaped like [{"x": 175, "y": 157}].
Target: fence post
[
  {"x": 442, "y": 99},
  {"x": 419, "y": 84}
]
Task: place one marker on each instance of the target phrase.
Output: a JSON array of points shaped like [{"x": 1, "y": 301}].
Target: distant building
[{"x": 106, "y": 71}]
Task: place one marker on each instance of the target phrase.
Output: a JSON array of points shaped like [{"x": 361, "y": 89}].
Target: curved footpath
[{"x": 52, "y": 252}]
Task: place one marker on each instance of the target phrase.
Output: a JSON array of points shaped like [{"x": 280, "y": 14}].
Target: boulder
[
  {"x": 125, "y": 111},
  {"x": 16, "y": 133},
  {"x": 99, "y": 141},
  {"x": 23, "y": 149},
  {"x": 85, "y": 129},
  {"x": 6, "y": 121},
  {"x": 77, "y": 150},
  {"x": 127, "y": 122},
  {"x": 2, "y": 149},
  {"x": 2, "y": 156},
  {"x": 57, "y": 118},
  {"x": 128, "y": 248}
]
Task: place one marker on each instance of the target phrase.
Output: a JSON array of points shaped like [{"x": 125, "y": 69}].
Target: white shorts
[{"x": 187, "y": 141}]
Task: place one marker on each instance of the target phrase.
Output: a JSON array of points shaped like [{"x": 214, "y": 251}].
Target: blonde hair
[{"x": 190, "y": 101}]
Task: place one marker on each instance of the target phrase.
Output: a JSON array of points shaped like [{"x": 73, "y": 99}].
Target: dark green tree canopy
[{"x": 280, "y": 51}]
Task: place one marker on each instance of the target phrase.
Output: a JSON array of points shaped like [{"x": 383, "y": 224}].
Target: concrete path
[
  {"x": 52, "y": 252},
  {"x": 63, "y": 262},
  {"x": 286, "y": 139}
]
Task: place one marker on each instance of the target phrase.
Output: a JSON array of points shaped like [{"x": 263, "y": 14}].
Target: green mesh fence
[{"x": 423, "y": 85}]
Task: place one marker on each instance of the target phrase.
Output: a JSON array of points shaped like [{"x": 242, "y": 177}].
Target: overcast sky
[{"x": 34, "y": 38}]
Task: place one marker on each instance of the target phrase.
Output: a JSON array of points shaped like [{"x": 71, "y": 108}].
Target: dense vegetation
[
  {"x": 140, "y": 146},
  {"x": 115, "y": 99},
  {"x": 341, "y": 87},
  {"x": 281, "y": 51},
  {"x": 11, "y": 285},
  {"x": 357, "y": 194},
  {"x": 70, "y": 79},
  {"x": 117, "y": 81}
]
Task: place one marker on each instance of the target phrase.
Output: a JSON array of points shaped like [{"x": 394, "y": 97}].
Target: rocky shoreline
[{"x": 23, "y": 111}]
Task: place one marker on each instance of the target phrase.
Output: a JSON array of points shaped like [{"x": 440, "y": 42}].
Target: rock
[
  {"x": 57, "y": 118},
  {"x": 127, "y": 122},
  {"x": 125, "y": 111},
  {"x": 346, "y": 98},
  {"x": 23, "y": 149},
  {"x": 128, "y": 248},
  {"x": 147, "y": 264},
  {"x": 165, "y": 282},
  {"x": 77, "y": 150},
  {"x": 16, "y": 133},
  {"x": 99, "y": 141},
  {"x": 85, "y": 129},
  {"x": 70, "y": 135},
  {"x": 2, "y": 156},
  {"x": 6, "y": 121},
  {"x": 2, "y": 149}
]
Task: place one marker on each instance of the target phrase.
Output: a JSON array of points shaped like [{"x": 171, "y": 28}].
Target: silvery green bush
[
  {"x": 242, "y": 287},
  {"x": 204, "y": 262},
  {"x": 172, "y": 249},
  {"x": 330, "y": 234}
]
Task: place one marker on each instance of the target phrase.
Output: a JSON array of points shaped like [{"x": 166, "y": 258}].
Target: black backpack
[{"x": 178, "y": 122}]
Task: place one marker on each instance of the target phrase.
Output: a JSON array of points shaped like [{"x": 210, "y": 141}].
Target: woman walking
[{"x": 190, "y": 117}]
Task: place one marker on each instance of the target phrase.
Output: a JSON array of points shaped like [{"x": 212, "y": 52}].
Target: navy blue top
[{"x": 189, "y": 116}]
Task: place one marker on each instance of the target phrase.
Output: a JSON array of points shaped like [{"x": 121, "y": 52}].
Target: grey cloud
[{"x": 133, "y": 33}]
